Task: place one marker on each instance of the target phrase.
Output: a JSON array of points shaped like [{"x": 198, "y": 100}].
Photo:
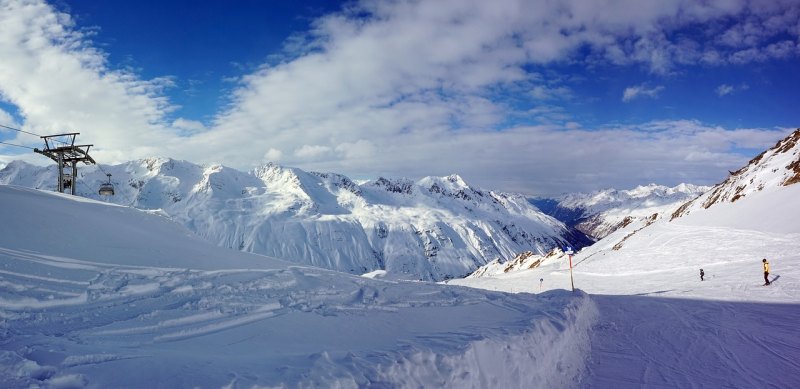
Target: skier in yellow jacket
[{"x": 766, "y": 271}]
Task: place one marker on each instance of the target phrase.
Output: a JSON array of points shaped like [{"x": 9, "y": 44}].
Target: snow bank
[{"x": 551, "y": 355}]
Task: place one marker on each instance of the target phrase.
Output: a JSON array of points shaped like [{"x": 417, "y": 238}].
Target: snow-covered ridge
[
  {"x": 432, "y": 229},
  {"x": 776, "y": 167},
  {"x": 602, "y": 212}
]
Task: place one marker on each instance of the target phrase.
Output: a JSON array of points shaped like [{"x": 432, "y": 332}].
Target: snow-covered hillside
[
  {"x": 602, "y": 212},
  {"x": 774, "y": 168},
  {"x": 433, "y": 229},
  {"x": 102, "y": 296},
  {"x": 659, "y": 324}
]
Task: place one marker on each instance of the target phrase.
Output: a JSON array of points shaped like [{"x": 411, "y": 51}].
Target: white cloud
[
  {"x": 542, "y": 92},
  {"x": 7, "y": 120},
  {"x": 188, "y": 125},
  {"x": 409, "y": 88},
  {"x": 312, "y": 152},
  {"x": 61, "y": 84},
  {"x": 635, "y": 92},
  {"x": 725, "y": 89},
  {"x": 273, "y": 155}
]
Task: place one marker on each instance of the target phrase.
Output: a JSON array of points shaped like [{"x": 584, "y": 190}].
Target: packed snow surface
[
  {"x": 97, "y": 295},
  {"x": 659, "y": 325}
]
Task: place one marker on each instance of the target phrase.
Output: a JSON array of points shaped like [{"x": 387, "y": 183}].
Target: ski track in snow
[{"x": 680, "y": 343}]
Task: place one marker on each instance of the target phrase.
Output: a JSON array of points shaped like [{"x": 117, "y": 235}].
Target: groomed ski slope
[
  {"x": 660, "y": 326},
  {"x": 98, "y": 296}
]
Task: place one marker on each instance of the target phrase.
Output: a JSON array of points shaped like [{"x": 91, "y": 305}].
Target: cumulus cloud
[
  {"x": 410, "y": 88},
  {"x": 60, "y": 83},
  {"x": 6, "y": 119},
  {"x": 635, "y": 92},
  {"x": 312, "y": 152}
]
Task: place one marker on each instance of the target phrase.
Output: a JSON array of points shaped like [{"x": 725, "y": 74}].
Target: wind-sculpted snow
[
  {"x": 434, "y": 229},
  {"x": 132, "y": 300}
]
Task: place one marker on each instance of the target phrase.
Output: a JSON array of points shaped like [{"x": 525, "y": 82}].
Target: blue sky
[
  {"x": 530, "y": 96},
  {"x": 201, "y": 44}
]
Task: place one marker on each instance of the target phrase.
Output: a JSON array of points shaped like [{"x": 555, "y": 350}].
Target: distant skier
[
  {"x": 541, "y": 281},
  {"x": 766, "y": 271},
  {"x": 701, "y": 274}
]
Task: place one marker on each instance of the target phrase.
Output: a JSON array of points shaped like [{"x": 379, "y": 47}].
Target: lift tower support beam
[{"x": 68, "y": 154}]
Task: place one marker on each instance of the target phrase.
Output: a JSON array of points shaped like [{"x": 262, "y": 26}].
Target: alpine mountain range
[{"x": 432, "y": 229}]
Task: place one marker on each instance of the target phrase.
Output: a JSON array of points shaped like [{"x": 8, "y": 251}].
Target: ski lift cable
[
  {"x": 90, "y": 190},
  {"x": 32, "y": 148},
  {"x": 30, "y": 133},
  {"x": 83, "y": 183},
  {"x": 17, "y": 129},
  {"x": 11, "y": 144}
]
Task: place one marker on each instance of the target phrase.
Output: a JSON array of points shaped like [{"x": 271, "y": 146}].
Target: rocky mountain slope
[
  {"x": 599, "y": 213},
  {"x": 776, "y": 167},
  {"x": 761, "y": 196},
  {"x": 432, "y": 229}
]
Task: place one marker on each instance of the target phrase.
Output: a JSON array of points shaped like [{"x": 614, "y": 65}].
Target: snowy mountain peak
[
  {"x": 163, "y": 164},
  {"x": 776, "y": 167},
  {"x": 400, "y": 186},
  {"x": 274, "y": 173},
  {"x": 325, "y": 219},
  {"x": 451, "y": 186}
]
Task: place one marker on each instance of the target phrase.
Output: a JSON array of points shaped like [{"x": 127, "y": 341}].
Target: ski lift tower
[{"x": 66, "y": 155}]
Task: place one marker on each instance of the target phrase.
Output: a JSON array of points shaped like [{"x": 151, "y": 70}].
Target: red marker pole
[{"x": 571, "y": 281}]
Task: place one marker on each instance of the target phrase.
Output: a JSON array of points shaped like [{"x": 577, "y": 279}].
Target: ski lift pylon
[{"x": 106, "y": 188}]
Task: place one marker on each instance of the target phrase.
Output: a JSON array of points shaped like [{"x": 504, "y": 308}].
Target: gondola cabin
[{"x": 106, "y": 188}]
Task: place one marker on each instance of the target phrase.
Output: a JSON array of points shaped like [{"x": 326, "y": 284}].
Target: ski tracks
[{"x": 668, "y": 342}]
